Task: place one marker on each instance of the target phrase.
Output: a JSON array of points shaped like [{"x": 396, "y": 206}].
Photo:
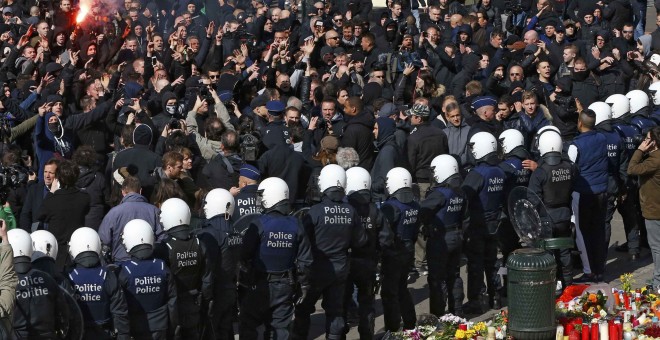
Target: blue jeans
[{"x": 639, "y": 17}]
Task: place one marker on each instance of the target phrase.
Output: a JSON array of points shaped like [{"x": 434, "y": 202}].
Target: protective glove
[{"x": 303, "y": 294}]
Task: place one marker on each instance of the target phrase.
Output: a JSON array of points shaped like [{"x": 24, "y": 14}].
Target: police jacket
[
  {"x": 484, "y": 188},
  {"x": 378, "y": 230},
  {"x": 552, "y": 181},
  {"x": 589, "y": 153},
  {"x": 189, "y": 261},
  {"x": 333, "y": 228},
  {"x": 516, "y": 174},
  {"x": 402, "y": 212},
  {"x": 277, "y": 243},
  {"x": 424, "y": 143},
  {"x": 627, "y": 132},
  {"x": 99, "y": 296},
  {"x": 616, "y": 162},
  {"x": 226, "y": 249},
  {"x": 150, "y": 293},
  {"x": 40, "y": 305},
  {"x": 246, "y": 202},
  {"x": 444, "y": 209},
  {"x": 641, "y": 120}
]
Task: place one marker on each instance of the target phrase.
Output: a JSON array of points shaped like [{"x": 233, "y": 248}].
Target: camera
[
  {"x": 205, "y": 95},
  {"x": 11, "y": 177},
  {"x": 174, "y": 124}
]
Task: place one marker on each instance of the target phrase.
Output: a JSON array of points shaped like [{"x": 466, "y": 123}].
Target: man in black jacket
[
  {"x": 358, "y": 132},
  {"x": 35, "y": 196}
]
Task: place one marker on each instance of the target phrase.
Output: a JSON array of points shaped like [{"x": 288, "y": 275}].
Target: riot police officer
[
  {"x": 401, "y": 211},
  {"x": 614, "y": 161},
  {"x": 334, "y": 227},
  {"x": 443, "y": 215},
  {"x": 588, "y": 152},
  {"x": 277, "y": 254},
  {"x": 97, "y": 291},
  {"x": 189, "y": 262},
  {"x": 364, "y": 260},
  {"x": 654, "y": 91},
  {"x": 219, "y": 230},
  {"x": 552, "y": 181},
  {"x": 628, "y": 197},
  {"x": 148, "y": 284},
  {"x": 639, "y": 111},
  {"x": 45, "y": 249},
  {"x": 514, "y": 153},
  {"x": 246, "y": 199},
  {"x": 40, "y": 308},
  {"x": 484, "y": 188}
]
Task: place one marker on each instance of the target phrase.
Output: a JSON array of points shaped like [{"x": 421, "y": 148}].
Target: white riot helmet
[
  {"x": 43, "y": 244},
  {"x": 443, "y": 166},
  {"x": 357, "y": 178},
  {"x": 482, "y": 144},
  {"x": 84, "y": 239},
  {"x": 20, "y": 242},
  {"x": 620, "y": 105},
  {"x": 602, "y": 110},
  {"x": 332, "y": 176},
  {"x": 398, "y": 178},
  {"x": 173, "y": 213},
  {"x": 511, "y": 139},
  {"x": 272, "y": 191},
  {"x": 137, "y": 232},
  {"x": 654, "y": 90},
  {"x": 218, "y": 201},
  {"x": 638, "y": 100},
  {"x": 655, "y": 59},
  {"x": 550, "y": 141}
]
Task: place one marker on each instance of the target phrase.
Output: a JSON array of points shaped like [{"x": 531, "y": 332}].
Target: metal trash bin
[{"x": 531, "y": 292}]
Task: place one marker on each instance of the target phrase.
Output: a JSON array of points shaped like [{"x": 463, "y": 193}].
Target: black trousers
[
  {"x": 397, "y": 300},
  {"x": 445, "y": 284},
  {"x": 363, "y": 276},
  {"x": 270, "y": 303},
  {"x": 592, "y": 209},
  {"x": 481, "y": 251}
]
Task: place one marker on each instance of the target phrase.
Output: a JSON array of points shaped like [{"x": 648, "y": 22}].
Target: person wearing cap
[
  {"x": 281, "y": 160},
  {"x": 424, "y": 143},
  {"x": 276, "y": 127},
  {"x": 483, "y": 119},
  {"x": 246, "y": 192}
]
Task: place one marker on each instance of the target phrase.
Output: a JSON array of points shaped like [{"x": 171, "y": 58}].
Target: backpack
[{"x": 250, "y": 145}]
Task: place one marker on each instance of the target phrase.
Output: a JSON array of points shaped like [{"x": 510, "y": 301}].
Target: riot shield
[
  {"x": 532, "y": 222},
  {"x": 300, "y": 213},
  {"x": 241, "y": 225},
  {"x": 74, "y": 327}
]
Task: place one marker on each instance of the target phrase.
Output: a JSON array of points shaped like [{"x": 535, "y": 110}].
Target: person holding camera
[{"x": 645, "y": 163}]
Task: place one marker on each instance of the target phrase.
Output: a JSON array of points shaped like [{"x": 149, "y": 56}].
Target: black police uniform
[
  {"x": 191, "y": 265},
  {"x": 591, "y": 185},
  {"x": 246, "y": 202},
  {"x": 364, "y": 261},
  {"x": 552, "y": 181},
  {"x": 40, "y": 306},
  {"x": 402, "y": 212},
  {"x": 484, "y": 188},
  {"x": 277, "y": 252},
  {"x": 100, "y": 298},
  {"x": 333, "y": 227},
  {"x": 443, "y": 214},
  {"x": 516, "y": 175},
  {"x": 151, "y": 295},
  {"x": 615, "y": 169},
  {"x": 226, "y": 241}
]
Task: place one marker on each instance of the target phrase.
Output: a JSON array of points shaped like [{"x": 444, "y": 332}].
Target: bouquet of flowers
[{"x": 593, "y": 303}]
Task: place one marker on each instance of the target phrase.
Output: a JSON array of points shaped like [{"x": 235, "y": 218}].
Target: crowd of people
[{"x": 169, "y": 168}]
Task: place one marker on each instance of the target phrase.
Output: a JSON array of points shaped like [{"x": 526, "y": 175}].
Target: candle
[
  {"x": 491, "y": 333},
  {"x": 626, "y": 301},
  {"x": 594, "y": 331},
  {"x": 603, "y": 330},
  {"x": 619, "y": 329},
  {"x": 585, "y": 331},
  {"x": 626, "y": 316},
  {"x": 560, "y": 333},
  {"x": 627, "y": 335},
  {"x": 462, "y": 327},
  {"x": 612, "y": 331}
]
